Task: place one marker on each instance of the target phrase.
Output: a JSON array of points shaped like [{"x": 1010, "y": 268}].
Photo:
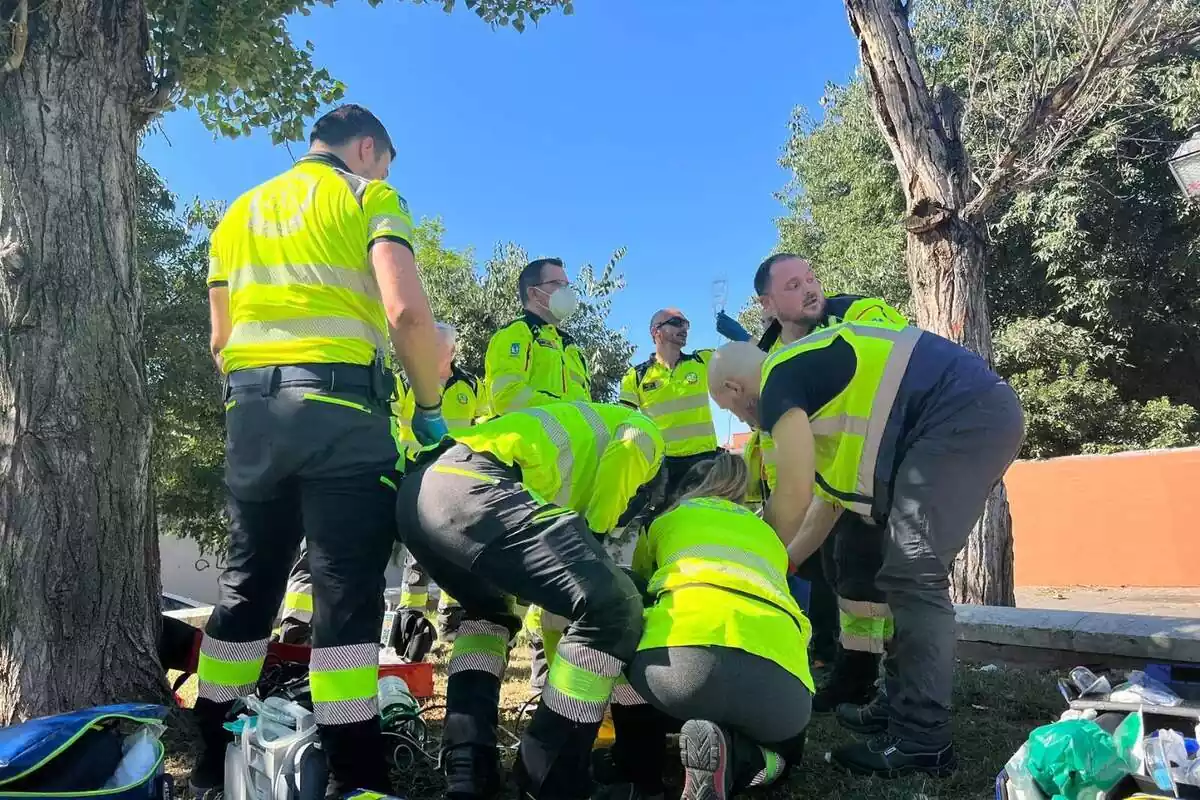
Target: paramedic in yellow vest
[
  {"x": 530, "y": 362},
  {"x": 842, "y": 574},
  {"x": 671, "y": 387},
  {"x": 309, "y": 274},
  {"x": 897, "y": 424},
  {"x": 511, "y": 508},
  {"x": 724, "y": 648},
  {"x": 460, "y": 406}
]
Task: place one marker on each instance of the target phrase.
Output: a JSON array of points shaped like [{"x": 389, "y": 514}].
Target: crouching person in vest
[
  {"x": 509, "y": 509},
  {"x": 724, "y": 648},
  {"x": 895, "y": 423}
]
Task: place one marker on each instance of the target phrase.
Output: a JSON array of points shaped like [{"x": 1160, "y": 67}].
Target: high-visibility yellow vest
[
  {"x": 529, "y": 363},
  {"x": 460, "y": 406},
  {"x": 760, "y": 449},
  {"x": 294, "y": 253},
  {"x": 676, "y": 399},
  {"x": 588, "y": 457},
  {"x": 848, "y": 430},
  {"x": 719, "y": 576}
]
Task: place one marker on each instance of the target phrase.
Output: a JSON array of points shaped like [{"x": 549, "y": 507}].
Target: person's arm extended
[
  {"x": 795, "y": 473},
  {"x": 409, "y": 318},
  {"x": 815, "y": 529},
  {"x": 219, "y": 322},
  {"x": 631, "y": 459}
]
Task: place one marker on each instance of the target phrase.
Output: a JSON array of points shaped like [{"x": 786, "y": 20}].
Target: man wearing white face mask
[{"x": 532, "y": 361}]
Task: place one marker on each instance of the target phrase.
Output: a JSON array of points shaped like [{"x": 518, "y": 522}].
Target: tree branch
[{"x": 20, "y": 38}]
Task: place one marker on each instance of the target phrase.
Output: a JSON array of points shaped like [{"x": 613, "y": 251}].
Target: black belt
[{"x": 330, "y": 377}]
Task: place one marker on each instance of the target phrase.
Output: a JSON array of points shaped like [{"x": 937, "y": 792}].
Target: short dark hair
[
  {"x": 531, "y": 275},
  {"x": 349, "y": 122},
  {"x": 762, "y": 276}
]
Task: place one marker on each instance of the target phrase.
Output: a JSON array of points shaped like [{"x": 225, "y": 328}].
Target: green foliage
[
  {"x": 183, "y": 384},
  {"x": 236, "y": 64},
  {"x": 1093, "y": 280},
  {"x": 478, "y": 302}
]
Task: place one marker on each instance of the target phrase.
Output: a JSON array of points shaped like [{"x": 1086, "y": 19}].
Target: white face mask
[{"x": 562, "y": 303}]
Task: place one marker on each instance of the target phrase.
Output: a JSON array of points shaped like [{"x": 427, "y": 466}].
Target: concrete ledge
[
  {"x": 1094, "y": 633},
  {"x": 196, "y": 617}
]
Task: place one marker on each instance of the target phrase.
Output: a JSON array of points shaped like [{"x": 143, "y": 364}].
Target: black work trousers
[
  {"x": 305, "y": 462},
  {"x": 485, "y": 539}
]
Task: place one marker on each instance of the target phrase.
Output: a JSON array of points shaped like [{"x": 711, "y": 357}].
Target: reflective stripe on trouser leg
[
  {"x": 298, "y": 602},
  {"x": 553, "y": 626},
  {"x": 625, "y": 695},
  {"x": 866, "y": 627},
  {"x": 415, "y": 591},
  {"x": 580, "y": 683},
  {"x": 773, "y": 765},
  {"x": 229, "y": 670},
  {"x": 480, "y": 646},
  {"x": 344, "y": 683}
]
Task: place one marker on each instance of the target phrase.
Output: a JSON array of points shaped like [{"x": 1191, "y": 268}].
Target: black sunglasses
[{"x": 675, "y": 322}]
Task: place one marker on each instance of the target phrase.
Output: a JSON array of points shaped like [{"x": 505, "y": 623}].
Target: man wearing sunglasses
[{"x": 671, "y": 387}]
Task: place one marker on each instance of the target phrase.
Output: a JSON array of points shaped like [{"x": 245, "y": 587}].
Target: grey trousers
[
  {"x": 735, "y": 689},
  {"x": 938, "y": 495}
]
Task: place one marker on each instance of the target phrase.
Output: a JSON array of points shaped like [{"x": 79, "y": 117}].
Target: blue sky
[{"x": 651, "y": 124}]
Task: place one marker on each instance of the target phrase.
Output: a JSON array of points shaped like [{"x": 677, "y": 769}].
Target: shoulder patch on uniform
[
  {"x": 463, "y": 399},
  {"x": 403, "y": 203},
  {"x": 514, "y": 349},
  {"x": 692, "y": 378}
]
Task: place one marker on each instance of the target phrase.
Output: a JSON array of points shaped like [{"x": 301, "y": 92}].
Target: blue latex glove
[{"x": 428, "y": 426}]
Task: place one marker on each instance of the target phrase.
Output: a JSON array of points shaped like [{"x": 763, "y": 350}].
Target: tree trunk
[
  {"x": 945, "y": 253},
  {"x": 79, "y": 570},
  {"x": 946, "y": 270}
]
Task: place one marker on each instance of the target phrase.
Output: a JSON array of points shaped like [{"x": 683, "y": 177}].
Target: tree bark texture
[
  {"x": 79, "y": 571},
  {"x": 945, "y": 255}
]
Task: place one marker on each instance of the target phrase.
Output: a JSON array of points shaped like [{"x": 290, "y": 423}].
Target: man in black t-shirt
[{"x": 891, "y": 422}]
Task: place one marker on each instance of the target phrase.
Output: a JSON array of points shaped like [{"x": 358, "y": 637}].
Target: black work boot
[
  {"x": 469, "y": 756},
  {"x": 887, "y": 756},
  {"x": 208, "y": 773},
  {"x": 866, "y": 720},
  {"x": 356, "y": 757},
  {"x": 553, "y": 760},
  {"x": 852, "y": 681}
]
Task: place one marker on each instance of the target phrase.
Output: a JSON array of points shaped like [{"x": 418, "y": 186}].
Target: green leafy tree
[
  {"x": 79, "y": 82},
  {"x": 478, "y": 302},
  {"x": 188, "y": 447}
]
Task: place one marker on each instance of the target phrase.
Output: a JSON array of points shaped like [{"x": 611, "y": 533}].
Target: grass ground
[{"x": 994, "y": 713}]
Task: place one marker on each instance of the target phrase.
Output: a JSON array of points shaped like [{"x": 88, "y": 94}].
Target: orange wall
[{"x": 1129, "y": 519}]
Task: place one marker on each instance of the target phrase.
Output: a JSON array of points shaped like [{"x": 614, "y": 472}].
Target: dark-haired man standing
[
  {"x": 793, "y": 297},
  {"x": 310, "y": 272}
]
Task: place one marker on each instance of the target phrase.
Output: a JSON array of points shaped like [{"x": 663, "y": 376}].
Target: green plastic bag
[{"x": 1074, "y": 759}]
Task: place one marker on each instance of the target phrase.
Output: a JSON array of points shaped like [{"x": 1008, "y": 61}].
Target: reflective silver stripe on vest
[
  {"x": 642, "y": 439},
  {"x": 688, "y": 403},
  {"x": 840, "y": 423},
  {"x": 358, "y": 281},
  {"x": 680, "y": 432},
  {"x": 904, "y": 341},
  {"x": 285, "y": 330},
  {"x": 736, "y": 555},
  {"x": 566, "y": 458},
  {"x": 716, "y": 562}
]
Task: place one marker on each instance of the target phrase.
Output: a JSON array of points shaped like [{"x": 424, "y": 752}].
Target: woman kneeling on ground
[{"x": 724, "y": 648}]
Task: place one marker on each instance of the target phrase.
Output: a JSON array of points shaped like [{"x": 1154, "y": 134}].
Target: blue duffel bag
[{"x": 75, "y": 755}]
